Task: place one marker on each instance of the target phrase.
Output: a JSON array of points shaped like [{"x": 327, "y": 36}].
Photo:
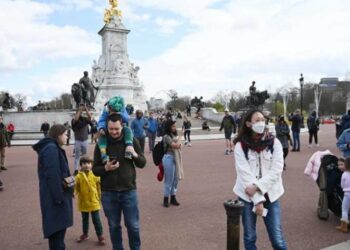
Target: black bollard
[{"x": 233, "y": 210}]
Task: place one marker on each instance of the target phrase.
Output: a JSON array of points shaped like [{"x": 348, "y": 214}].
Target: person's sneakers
[
  {"x": 1, "y": 185},
  {"x": 227, "y": 152},
  {"x": 294, "y": 150},
  {"x": 82, "y": 238},
  {"x": 189, "y": 144},
  {"x": 231, "y": 150},
  {"x": 3, "y": 168},
  {"x": 310, "y": 146},
  {"x": 75, "y": 172},
  {"x": 128, "y": 155},
  {"x": 317, "y": 145},
  {"x": 101, "y": 239},
  {"x": 185, "y": 143}
]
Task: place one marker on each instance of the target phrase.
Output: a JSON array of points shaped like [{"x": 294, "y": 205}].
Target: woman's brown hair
[
  {"x": 56, "y": 130},
  {"x": 246, "y": 130}
]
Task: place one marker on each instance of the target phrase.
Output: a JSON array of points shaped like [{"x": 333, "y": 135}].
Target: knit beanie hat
[{"x": 116, "y": 103}]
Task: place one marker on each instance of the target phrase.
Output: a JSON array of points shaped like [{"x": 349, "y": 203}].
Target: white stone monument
[{"x": 113, "y": 73}]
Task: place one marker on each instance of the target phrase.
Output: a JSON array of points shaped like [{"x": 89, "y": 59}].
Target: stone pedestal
[{"x": 114, "y": 74}]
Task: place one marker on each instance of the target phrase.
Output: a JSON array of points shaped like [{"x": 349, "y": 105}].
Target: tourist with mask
[
  {"x": 138, "y": 127},
  {"x": 282, "y": 134},
  {"x": 55, "y": 186},
  {"x": 259, "y": 167}
]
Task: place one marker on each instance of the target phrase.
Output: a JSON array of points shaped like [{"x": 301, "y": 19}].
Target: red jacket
[{"x": 10, "y": 127}]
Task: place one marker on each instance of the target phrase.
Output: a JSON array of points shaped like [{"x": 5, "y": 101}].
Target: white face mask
[{"x": 258, "y": 127}]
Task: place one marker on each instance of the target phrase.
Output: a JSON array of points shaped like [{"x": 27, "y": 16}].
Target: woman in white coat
[{"x": 259, "y": 166}]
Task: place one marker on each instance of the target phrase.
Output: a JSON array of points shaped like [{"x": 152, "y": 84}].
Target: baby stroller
[{"x": 331, "y": 193}]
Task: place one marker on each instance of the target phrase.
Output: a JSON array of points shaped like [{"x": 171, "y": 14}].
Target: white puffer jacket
[{"x": 248, "y": 172}]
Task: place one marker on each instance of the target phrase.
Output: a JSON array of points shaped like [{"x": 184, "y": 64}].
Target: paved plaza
[{"x": 200, "y": 221}]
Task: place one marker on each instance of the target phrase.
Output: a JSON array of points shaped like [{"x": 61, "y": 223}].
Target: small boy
[
  {"x": 88, "y": 190},
  {"x": 115, "y": 105}
]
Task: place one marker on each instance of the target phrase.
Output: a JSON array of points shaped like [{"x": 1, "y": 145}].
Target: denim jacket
[{"x": 343, "y": 142}]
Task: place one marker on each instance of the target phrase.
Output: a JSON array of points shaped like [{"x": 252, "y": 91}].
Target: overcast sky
[{"x": 197, "y": 47}]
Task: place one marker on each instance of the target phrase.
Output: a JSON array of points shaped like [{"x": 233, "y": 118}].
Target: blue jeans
[
  {"x": 80, "y": 148},
  {"x": 296, "y": 140},
  {"x": 114, "y": 203},
  {"x": 170, "y": 176},
  {"x": 272, "y": 223}
]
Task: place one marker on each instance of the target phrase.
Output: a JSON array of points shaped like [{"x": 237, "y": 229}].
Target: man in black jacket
[
  {"x": 229, "y": 125},
  {"x": 297, "y": 121},
  {"x": 118, "y": 184}
]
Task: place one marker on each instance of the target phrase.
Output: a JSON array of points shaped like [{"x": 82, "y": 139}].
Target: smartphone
[{"x": 113, "y": 158}]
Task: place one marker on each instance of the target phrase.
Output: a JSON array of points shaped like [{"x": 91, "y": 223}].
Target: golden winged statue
[{"x": 109, "y": 13}]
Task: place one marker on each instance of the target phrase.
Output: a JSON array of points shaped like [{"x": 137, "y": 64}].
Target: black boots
[
  {"x": 173, "y": 201},
  {"x": 166, "y": 201}
]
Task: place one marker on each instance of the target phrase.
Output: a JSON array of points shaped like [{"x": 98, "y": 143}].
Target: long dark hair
[
  {"x": 56, "y": 130},
  {"x": 167, "y": 128},
  {"x": 246, "y": 131}
]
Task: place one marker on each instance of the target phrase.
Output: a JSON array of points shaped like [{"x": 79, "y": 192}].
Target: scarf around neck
[{"x": 258, "y": 143}]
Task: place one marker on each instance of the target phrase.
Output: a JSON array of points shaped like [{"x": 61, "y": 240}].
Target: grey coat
[{"x": 282, "y": 133}]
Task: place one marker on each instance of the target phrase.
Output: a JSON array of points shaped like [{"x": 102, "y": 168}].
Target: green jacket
[{"x": 4, "y": 138}]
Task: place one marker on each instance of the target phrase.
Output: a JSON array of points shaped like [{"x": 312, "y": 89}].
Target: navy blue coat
[{"x": 55, "y": 201}]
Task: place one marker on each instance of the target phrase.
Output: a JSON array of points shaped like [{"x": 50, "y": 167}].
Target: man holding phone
[{"x": 118, "y": 184}]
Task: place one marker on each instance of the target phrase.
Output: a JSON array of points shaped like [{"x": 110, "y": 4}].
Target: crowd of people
[{"x": 108, "y": 178}]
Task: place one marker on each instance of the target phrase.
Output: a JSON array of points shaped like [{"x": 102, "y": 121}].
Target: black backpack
[{"x": 158, "y": 153}]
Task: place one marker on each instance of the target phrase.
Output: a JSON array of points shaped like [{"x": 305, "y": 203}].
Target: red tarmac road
[{"x": 200, "y": 221}]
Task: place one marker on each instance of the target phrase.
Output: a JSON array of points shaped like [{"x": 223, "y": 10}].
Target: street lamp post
[{"x": 301, "y": 81}]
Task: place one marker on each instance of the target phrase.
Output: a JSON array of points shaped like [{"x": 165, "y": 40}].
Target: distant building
[
  {"x": 156, "y": 104},
  {"x": 329, "y": 83}
]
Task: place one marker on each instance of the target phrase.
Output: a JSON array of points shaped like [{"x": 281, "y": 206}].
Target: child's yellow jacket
[{"x": 88, "y": 189}]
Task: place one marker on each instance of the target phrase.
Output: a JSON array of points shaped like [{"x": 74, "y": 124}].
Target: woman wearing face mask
[{"x": 259, "y": 166}]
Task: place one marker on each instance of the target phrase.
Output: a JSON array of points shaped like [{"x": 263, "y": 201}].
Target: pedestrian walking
[
  {"x": 45, "y": 126},
  {"x": 152, "y": 131},
  {"x": 138, "y": 127},
  {"x": 345, "y": 185},
  {"x": 229, "y": 126},
  {"x": 172, "y": 163},
  {"x": 4, "y": 142},
  {"x": 68, "y": 127},
  {"x": 283, "y": 135},
  {"x": 188, "y": 110},
  {"x": 313, "y": 124},
  {"x": 296, "y": 120},
  {"x": 259, "y": 167},
  {"x": 186, "y": 130},
  {"x": 55, "y": 193},
  {"x": 88, "y": 190},
  {"x": 118, "y": 184},
  {"x": 80, "y": 126}
]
